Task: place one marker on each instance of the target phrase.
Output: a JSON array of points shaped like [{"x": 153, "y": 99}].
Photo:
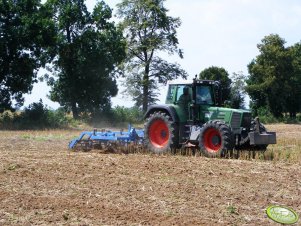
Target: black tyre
[
  {"x": 245, "y": 140},
  {"x": 160, "y": 133},
  {"x": 216, "y": 138}
]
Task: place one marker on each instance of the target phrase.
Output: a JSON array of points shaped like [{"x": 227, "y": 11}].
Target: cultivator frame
[{"x": 102, "y": 139}]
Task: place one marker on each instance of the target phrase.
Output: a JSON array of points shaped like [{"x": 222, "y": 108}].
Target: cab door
[
  {"x": 183, "y": 102},
  {"x": 204, "y": 99}
]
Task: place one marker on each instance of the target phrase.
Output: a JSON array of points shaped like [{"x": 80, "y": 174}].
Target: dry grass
[
  {"x": 288, "y": 147},
  {"x": 42, "y": 183}
]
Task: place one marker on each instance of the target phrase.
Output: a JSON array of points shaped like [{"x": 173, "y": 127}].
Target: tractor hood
[
  {"x": 222, "y": 109},
  {"x": 234, "y": 117}
]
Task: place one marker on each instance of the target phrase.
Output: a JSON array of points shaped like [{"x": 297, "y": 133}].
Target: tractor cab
[{"x": 192, "y": 99}]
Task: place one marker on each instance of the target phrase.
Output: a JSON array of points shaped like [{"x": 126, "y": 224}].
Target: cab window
[
  {"x": 170, "y": 93},
  {"x": 179, "y": 91},
  {"x": 204, "y": 95}
]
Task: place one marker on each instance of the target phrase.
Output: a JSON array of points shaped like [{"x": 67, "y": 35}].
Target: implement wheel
[
  {"x": 160, "y": 132},
  {"x": 216, "y": 139}
]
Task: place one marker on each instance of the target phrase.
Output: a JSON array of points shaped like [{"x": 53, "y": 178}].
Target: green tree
[
  {"x": 89, "y": 48},
  {"x": 270, "y": 72},
  {"x": 237, "y": 93},
  {"x": 293, "y": 105},
  {"x": 149, "y": 31},
  {"x": 26, "y": 36},
  {"x": 221, "y": 75}
]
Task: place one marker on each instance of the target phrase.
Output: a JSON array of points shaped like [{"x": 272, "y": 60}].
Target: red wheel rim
[
  {"x": 212, "y": 140},
  {"x": 159, "y": 133}
]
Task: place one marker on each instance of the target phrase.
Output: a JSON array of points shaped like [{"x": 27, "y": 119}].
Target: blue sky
[{"x": 220, "y": 33}]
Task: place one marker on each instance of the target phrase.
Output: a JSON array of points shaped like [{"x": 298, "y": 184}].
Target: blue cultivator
[{"x": 88, "y": 140}]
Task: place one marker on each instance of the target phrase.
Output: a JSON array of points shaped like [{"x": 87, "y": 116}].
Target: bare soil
[{"x": 43, "y": 183}]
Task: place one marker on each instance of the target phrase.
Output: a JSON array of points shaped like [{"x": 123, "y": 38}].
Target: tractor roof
[{"x": 188, "y": 82}]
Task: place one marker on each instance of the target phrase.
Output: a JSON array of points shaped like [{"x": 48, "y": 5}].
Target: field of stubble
[{"x": 43, "y": 183}]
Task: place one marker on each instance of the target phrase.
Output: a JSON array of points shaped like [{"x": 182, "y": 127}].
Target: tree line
[{"x": 86, "y": 52}]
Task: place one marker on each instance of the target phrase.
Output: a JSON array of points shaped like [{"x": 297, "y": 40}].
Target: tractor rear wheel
[
  {"x": 160, "y": 133},
  {"x": 216, "y": 138}
]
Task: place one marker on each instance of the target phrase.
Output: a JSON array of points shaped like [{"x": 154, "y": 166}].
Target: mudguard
[{"x": 165, "y": 108}]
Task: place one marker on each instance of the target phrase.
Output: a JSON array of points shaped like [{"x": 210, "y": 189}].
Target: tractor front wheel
[
  {"x": 160, "y": 132},
  {"x": 216, "y": 138}
]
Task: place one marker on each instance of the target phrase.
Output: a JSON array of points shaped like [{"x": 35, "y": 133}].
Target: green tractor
[{"x": 192, "y": 117}]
